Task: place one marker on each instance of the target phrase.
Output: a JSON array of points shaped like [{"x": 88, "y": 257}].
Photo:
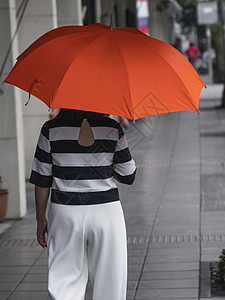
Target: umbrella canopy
[{"x": 119, "y": 71}]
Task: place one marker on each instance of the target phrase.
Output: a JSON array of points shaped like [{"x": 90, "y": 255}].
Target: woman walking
[{"x": 79, "y": 155}]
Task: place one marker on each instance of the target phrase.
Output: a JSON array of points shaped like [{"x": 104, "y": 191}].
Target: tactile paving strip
[
  {"x": 176, "y": 239},
  {"x": 213, "y": 134},
  {"x": 133, "y": 240},
  {"x": 19, "y": 243}
]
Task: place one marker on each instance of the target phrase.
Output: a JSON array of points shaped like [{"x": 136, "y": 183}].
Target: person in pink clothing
[{"x": 193, "y": 54}]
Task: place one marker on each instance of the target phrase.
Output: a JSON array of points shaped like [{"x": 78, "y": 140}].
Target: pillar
[
  {"x": 11, "y": 129},
  {"x": 39, "y": 17},
  {"x": 98, "y": 11},
  {"x": 69, "y": 12},
  {"x": 158, "y": 22}
]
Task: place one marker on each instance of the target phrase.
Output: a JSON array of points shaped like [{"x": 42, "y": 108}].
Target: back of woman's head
[{"x": 74, "y": 114}]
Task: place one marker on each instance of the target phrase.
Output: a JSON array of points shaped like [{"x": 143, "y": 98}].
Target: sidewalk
[{"x": 175, "y": 212}]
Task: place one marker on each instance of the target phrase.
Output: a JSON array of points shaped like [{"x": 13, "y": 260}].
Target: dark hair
[{"x": 74, "y": 114}]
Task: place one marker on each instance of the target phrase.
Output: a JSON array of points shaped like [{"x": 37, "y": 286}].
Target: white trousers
[{"x": 87, "y": 241}]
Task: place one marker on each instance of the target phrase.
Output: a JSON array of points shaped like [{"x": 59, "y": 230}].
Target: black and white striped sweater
[{"x": 82, "y": 175}]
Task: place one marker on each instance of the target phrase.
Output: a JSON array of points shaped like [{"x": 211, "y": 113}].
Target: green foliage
[
  {"x": 189, "y": 13},
  {"x": 217, "y": 36},
  {"x": 187, "y": 3},
  {"x": 163, "y": 4},
  {"x": 221, "y": 267}
]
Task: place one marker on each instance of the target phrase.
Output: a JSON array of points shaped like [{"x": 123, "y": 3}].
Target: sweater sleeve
[
  {"x": 123, "y": 163},
  {"x": 41, "y": 174}
]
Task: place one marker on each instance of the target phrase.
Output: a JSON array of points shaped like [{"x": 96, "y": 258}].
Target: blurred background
[{"x": 177, "y": 22}]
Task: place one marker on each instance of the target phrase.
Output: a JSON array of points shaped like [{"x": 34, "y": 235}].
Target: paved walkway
[{"x": 175, "y": 212}]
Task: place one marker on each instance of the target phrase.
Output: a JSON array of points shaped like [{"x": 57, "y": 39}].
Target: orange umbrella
[{"x": 119, "y": 71}]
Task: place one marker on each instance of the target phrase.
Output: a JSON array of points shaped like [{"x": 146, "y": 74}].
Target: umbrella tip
[{"x": 112, "y": 21}]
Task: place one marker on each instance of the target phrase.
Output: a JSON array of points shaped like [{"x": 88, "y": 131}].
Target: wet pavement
[{"x": 175, "y": 212}]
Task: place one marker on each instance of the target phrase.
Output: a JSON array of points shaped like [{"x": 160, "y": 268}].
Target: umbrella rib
[
  {"x": 33, "y": 45},
  {"x": 128, "y": 108},
  {"x": 189, "y": 98},
  {"x": 69, "y": 66}
]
